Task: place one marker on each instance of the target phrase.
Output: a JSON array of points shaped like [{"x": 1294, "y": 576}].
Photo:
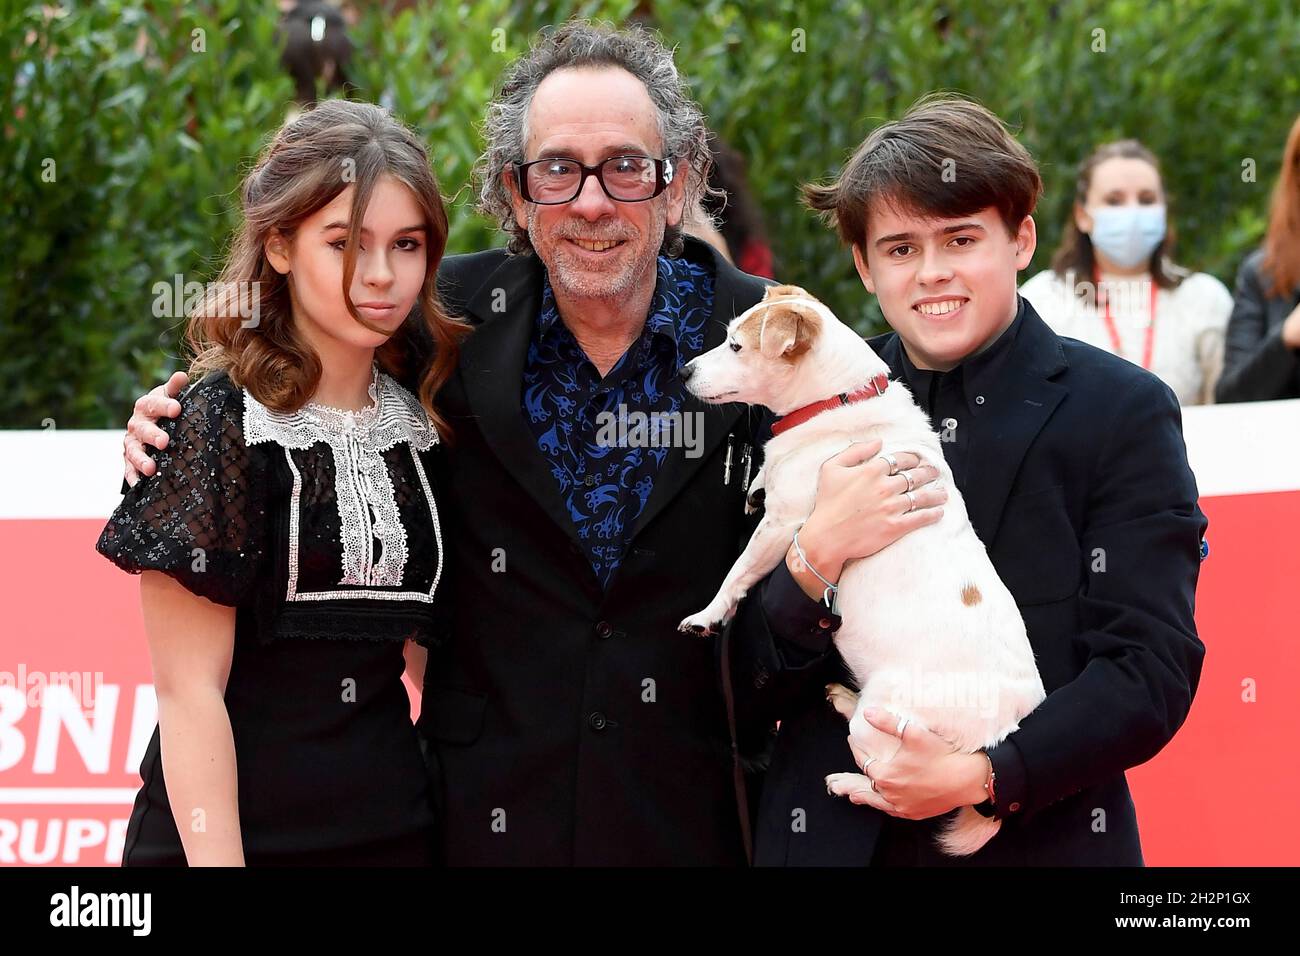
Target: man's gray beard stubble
[{"x": 623, "y": 283}]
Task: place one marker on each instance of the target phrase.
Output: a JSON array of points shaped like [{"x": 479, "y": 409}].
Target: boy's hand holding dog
[
  {"x": 861, "y": 508},
  {"x": 862, "y": 505},
  {"x": 922, "y": 775}
]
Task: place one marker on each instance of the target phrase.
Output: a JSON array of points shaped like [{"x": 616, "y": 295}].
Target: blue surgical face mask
[{"x": 1127, "y": 235}]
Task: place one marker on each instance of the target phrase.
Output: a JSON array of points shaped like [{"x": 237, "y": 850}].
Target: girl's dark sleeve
[{"x": 201, "y": 517}]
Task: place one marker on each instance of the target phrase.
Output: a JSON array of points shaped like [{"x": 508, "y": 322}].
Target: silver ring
[
  {"x": 892, "y": 462},
  {"x": 867, "y": 763},
  {"x": 908, "y": 476},
  {"x": 902, "y": 725},
  {"x": 872, "y": 784},
  {"x": 911, "y": 502}
]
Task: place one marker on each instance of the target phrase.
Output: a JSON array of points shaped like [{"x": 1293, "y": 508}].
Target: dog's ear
[
  {"x": 788, "y": 329},
  {"x": 776, "y": 291}
]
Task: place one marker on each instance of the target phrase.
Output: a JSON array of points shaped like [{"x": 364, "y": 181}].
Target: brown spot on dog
[
  {"x": 970, "y": 595},
  {"x": 784, "y": 329},
  {"x": 750, "y": 328}
]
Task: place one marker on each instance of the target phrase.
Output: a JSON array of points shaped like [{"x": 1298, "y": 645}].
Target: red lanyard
[{"x": 1116, "y": 346}]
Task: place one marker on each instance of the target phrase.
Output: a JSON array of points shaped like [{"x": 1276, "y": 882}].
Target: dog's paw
[
  {"x": 702, "y": 625},
  {"x": 847, "y": 784},
  {"x": 842, "y": 699},
  {"x": 708, "y": 621}
]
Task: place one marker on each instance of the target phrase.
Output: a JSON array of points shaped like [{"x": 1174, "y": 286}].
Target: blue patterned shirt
[{"x": 606, "y": 473}]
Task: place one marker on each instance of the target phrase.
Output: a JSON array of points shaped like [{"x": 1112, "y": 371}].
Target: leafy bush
[{"x": 125, "y": 129}]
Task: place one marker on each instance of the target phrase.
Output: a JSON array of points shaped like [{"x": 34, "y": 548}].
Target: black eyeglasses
[{"x": 554, "y": 181}]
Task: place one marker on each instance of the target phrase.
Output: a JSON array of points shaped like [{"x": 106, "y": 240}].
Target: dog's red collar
[{"x": 873, "y": 388}]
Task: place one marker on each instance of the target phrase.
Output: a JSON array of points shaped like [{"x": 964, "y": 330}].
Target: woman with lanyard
[{"x": 1113, "y": 285}]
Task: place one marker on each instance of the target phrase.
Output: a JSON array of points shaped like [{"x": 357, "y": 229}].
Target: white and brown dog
[{"x": 928, "y": 629}]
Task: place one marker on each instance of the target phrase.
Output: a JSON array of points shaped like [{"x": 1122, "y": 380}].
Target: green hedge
[{"x": 150, "y": 124}]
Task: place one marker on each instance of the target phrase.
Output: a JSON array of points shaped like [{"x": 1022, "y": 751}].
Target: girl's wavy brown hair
[{"x": 312, "y": 159}]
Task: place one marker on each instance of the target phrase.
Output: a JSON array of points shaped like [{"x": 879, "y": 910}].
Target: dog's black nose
[{"x": 687, "y": 371}]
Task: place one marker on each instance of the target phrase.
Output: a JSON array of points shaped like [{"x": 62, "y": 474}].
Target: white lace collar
[{"x": 394, "y": 415}]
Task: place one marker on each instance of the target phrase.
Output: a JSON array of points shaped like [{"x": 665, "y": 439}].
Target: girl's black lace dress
[{"x": 320, "y": 527}]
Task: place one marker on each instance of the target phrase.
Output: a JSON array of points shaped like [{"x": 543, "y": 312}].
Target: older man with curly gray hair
[
  {"x": 612, "y": 103},
  {"x": 589, "y": 502},
  {"x": 679, "y": 123}
]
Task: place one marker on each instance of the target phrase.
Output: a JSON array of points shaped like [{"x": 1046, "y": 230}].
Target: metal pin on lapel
[
  {"x": 745, "y": 462},
  {"x": 726, "y": 462}
]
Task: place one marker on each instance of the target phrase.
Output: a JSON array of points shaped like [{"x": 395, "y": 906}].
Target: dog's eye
[{"x": 735, "y": 346}]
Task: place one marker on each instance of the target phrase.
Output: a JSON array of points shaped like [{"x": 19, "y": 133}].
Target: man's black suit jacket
[{"x": 564, "y": 724}]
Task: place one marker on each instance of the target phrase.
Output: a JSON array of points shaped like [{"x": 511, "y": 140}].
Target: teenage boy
[{"x": 1075, "y": 474}]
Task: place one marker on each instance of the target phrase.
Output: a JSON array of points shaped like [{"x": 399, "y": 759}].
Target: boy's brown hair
[{"x": 947, "y": 157}]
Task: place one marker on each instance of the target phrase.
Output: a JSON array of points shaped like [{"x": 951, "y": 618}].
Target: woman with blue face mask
[{"x": 1113, "y": 285}]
